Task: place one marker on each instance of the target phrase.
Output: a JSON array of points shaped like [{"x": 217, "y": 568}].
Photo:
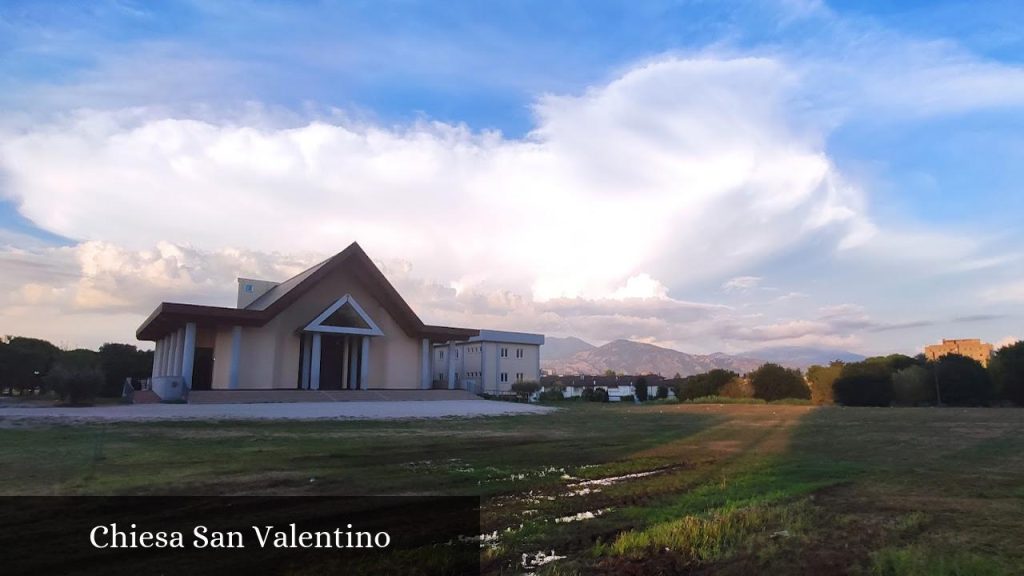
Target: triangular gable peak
[
  {"x": 345, "y": 316},
  {"x": 170, "y": 316}
]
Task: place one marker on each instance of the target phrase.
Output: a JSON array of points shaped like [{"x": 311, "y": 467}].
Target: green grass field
[{"x": 656, "y": 489}]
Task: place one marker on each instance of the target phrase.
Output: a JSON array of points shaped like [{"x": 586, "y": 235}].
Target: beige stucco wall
[
  {"x": 270, "y": 353},
  {"x": 222, "y": 358}
]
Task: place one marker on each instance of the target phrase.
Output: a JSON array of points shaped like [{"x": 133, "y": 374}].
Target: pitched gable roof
[{"x": 169, "y": 316}]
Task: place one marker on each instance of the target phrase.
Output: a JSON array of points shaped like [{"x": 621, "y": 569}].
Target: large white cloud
[
  {"x": 679, "y": 172},
  {"x": 675, "y": 154}
]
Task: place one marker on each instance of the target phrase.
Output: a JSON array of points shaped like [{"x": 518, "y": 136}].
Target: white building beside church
[{"x": 489, "y": 362}]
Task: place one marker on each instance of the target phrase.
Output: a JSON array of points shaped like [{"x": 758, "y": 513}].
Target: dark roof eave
[
  {"x": 448, "y": 333},
  {"x": 168, "y": 315}
]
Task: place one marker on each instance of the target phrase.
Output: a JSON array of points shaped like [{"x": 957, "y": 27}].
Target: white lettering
[{"x": 92, "y": 536}]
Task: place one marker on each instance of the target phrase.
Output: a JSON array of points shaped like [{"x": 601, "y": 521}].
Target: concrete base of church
[{"x": 265, "y": 396}]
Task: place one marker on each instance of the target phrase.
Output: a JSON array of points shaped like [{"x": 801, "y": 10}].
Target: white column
[
  {"x": 156, "y": 360},
  {"x": 169, "y": 362},
  {"x": 344, "y": 361},
  {"x": 353, "y": 364},
  {"x": 236, "y": 357},
  {"x": 364, "y": 363},
  {"x": 306, "y": 355},
  {"x": 314, "y": 372},
  {"x": 176, "y": 342},
  {"x": 451, "y": 365},
  {"x": 188, "y": 357},
  {"x": 425, "y": 365},
  {"x": 162, "y": 368},
  {"x": 169, "y": 357}
]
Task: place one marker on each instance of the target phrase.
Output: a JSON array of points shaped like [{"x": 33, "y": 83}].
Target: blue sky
[{"x": 856, "y": 165}]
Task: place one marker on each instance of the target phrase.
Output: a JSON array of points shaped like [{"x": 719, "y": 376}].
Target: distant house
[
  {"x": 339, "y": 325},
  {"x": 617, "y": 386},
  {"x": 970, "y": 347}
]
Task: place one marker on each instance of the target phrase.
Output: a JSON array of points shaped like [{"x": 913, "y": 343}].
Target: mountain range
[{"x": 575, "y": 356}]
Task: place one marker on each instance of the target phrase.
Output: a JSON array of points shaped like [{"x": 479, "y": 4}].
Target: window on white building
[
  {"x": 519, "y": 376},
  {"x": 504, "y": 376},
  {"x": 519, "y": 352},
  {"x": 504, "y": 352}
]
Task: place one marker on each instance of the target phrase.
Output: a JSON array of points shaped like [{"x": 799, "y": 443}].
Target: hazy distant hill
[
  {"x": 562, "y": 348},
  {"x": 803, "y": 356},
  {"x": 628, "y": 357},
  {"x": 574, "y": 356}
]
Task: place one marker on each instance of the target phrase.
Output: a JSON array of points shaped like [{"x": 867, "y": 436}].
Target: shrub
[
  {"x": 821, "y": 380},
  {"x": 773, "y": 382},
  {"x": 600, "y": 395},
  {"x": 962, "y": 381},
  {"x": 640, "y": 389},
  {"x": 737, "y": 388},
  {"x": 662, "y": 392},
  {"x": 724, "y": 400},
  {"x": 627, "y": 398},
  {"x": 1007, "y": 370},
  {"x": 864, "y": 384},
  {"x": 705, "y": 384},
  {"x": 912, "y": 386},
  {"x": 525, "y": 389},
  {"x": 587, "y": 395},
  {"x": 552, "y": 395},
  {"x": 75, "y": 384}
]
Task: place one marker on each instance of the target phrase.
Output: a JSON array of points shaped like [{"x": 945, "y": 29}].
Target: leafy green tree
[
  {"x": 738, "y": 387},
  {"x": 894, "y": 362},
  {"x": 662, "y": 392},
  {"x": 821, "y": 379},
  {"x": 962, "y": 381},
  {"x": 121, "y": 361},
  {"x": 774, "y": 382},
  {"x": 864, "y": 384},
  {"x": 640, "y": 389},
  {"x": 23, "y": 363},
  {"x": 609, "y": 373},
  {"x": 704, "y": 384},
  {"x": 913, "y": 386},
  {"x": 1007, "y": 370}
]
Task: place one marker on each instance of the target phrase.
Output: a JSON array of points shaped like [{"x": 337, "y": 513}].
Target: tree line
[
  {"x": 893, "y": 380},
  {"x": 31, "y": 366}
]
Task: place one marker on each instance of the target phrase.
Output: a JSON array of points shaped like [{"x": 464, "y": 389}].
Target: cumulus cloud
[
  {"x": 678, "y": 173},
  {"x": 660, "y": 148}
]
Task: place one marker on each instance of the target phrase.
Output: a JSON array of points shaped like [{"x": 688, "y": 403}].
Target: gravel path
[{"x": 279, "y": 411}]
